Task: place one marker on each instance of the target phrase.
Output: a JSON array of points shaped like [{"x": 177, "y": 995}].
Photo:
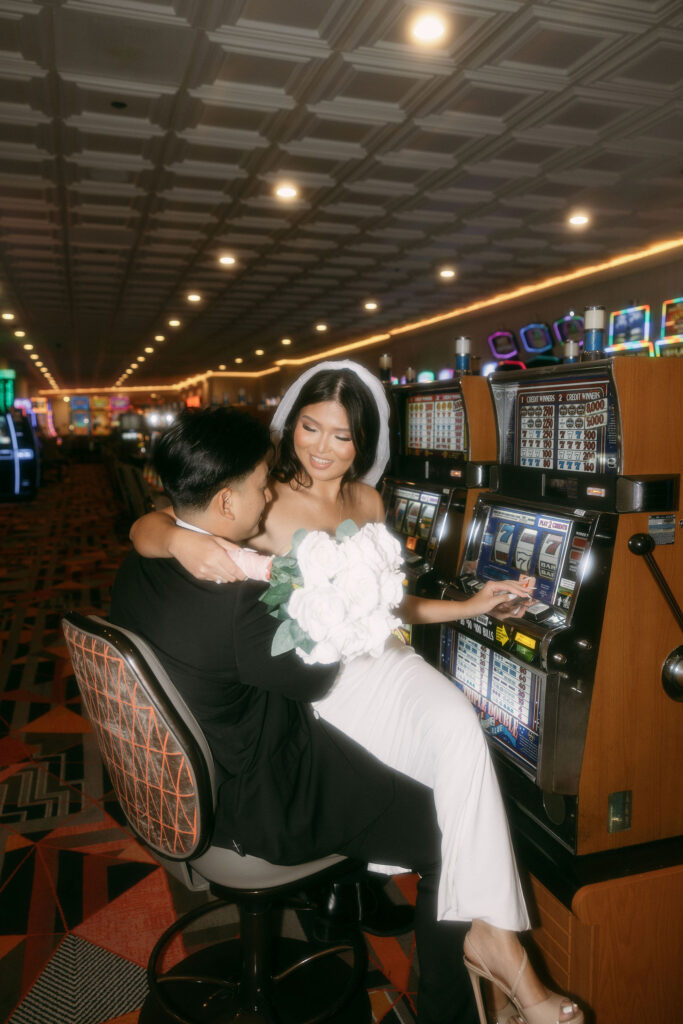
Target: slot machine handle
[{"x": 643, "y": 544}]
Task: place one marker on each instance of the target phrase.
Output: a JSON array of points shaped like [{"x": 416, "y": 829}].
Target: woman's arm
[
  {"x": 206, "y": 557},
  {"x": 493, "y": 595}
]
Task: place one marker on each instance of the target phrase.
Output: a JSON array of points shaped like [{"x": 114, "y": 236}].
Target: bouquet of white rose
[{"x": 334, "y": 596}]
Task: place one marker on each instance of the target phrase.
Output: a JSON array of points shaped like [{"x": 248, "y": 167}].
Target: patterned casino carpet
[{"x": 81, "y": 902}]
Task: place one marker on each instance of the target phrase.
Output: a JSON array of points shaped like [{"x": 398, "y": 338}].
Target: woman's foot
[{"x": 499, "y": 956}]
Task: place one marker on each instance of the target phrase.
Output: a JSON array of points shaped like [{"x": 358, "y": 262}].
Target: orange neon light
[{"x": 179, "y": 386}]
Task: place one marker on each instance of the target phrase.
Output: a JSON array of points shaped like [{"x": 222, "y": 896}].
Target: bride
[{"x": 332, "y": 429}]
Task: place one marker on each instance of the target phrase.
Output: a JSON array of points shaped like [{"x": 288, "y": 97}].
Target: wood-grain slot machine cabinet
[
  {"x": 582, "y": 696},
  {"x": 443, "y": 447}
]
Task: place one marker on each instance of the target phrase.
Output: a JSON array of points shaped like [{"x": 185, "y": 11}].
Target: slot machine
[
  {"x": 19, "y": 460},
  {"x": 582, "y": 695},
  {"x": 443, "y": 446}
]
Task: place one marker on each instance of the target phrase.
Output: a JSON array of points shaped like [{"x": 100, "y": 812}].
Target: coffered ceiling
[{"x": 140, "y": 141}]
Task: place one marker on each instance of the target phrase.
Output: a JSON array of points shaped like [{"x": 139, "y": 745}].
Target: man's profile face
[{"x": 248, "y": 500}]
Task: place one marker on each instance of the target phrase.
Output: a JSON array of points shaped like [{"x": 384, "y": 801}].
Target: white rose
[
  {"x": 386, "y": 547},
  {"x": 376, "y": 628},
  {"x": 360, "y": 585},
  {"x": 318, "y": 610},
  {"x": 318, "y": 558},
  {"x": 350, "y": 640},
  {"x": 391, "y": 588}
]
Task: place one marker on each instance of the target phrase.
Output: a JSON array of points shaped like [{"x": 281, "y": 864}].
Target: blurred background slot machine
[
  {"x": 582, "y": 695},
  {"x": 443, "y": 445}
]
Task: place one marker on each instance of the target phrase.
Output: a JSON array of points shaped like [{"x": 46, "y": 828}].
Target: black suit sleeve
[{"x": 287, "y": 674}]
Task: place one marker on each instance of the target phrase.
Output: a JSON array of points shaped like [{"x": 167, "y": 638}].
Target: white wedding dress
[{"x": 409, "y": 716}]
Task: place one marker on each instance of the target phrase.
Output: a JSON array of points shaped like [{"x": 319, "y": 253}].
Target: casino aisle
[{"x": 81, "y": 902}]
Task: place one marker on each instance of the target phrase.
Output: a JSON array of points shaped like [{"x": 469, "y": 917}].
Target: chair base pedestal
[{"x": 296, "y": 999}]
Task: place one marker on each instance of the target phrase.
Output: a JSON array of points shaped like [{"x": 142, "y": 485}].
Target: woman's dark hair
[
  {"x": 345, "y": 387},
  {"x": 207, "y": 449}
]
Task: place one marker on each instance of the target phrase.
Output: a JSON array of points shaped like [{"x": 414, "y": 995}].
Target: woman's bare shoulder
[{"x": 366, "y": 502}]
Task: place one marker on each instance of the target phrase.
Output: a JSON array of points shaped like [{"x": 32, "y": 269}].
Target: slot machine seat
[{"x": 163, "y": 775}]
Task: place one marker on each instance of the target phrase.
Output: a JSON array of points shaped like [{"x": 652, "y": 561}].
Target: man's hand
[{"x": 205, "y": 557}]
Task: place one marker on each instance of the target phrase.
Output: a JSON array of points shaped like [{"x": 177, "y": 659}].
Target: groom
[{"x": 290, "y": 786}]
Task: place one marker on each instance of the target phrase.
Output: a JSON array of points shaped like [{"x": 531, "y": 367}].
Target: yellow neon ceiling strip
[
  {"x": 179, "y": 386},
  {"x": 658, "y": 248}
]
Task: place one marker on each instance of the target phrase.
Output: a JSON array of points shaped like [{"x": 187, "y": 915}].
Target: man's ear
[{"x": 223, "y": 501}]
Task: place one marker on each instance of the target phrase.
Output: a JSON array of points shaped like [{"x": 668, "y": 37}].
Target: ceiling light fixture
[
  {"x": 447, "y": 273},
  {"x": 370, "y": 305},
  {"x": 8, "y": 316},
  {"x": 258, "y": 352},
  {"x": 286, "y": 341},
  {"x": 141, "y": 359},
  {"x": 160, "y": 337},
  {"x": 321, "y": 328},
  {"x": 34, "y": 356},
  {"x": 286, "y": 191},
  {"x": 174, "y": 323},
  {"x": 28, "y": 346},
  {"x": 194, "y": 297},
  {"x": 428, "y": 28},
  {"x": 227, "y": 261},
  {"x": 579, "y": 220},
  {"x": 20, "y": 334},
  {"x": 238, "y": 359},
  {"x": 222, "y": 366},
  {"x": 133, "y": 366},
  {"x": 149, "y": 349}
]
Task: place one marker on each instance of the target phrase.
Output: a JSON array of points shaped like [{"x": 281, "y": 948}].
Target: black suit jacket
[{"x": 291, "y": 787}]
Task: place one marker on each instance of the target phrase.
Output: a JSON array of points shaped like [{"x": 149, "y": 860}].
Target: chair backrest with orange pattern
[{"x": 156, "y": 755}]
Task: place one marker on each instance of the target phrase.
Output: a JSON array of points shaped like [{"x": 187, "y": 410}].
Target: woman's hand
[
  {"x": 504, "y": 597},
  {"x": 204, "y": 556}
]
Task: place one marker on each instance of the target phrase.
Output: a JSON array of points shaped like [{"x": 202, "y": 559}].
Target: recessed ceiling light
[
  {"x": 370, "y": 305},
  {"x": 66, "y": 398},
  {"x": 160, "y": 337},
  {"x": 222, "y": 366},
  {"x": 8, "y": 316},
  {"x": 39, "y": 363},
  {"x": 133, "y": 366},
  {"x": 28, "y": 346},
  {"x": 286, "y": 191},
  {"x": 174, "y": 323},
  {"x": 428, "y": 28},
  {"x": 286, "y": 341},
  {"x": 194, "y": 297},
  {"x": 149, "y": 349},
  {"x": 34, "y": 355},
  {"x": 238, "y": 359},
  {"x": 258, "y": 352},
  {"x": 141, "y": 359},
  {"x": 321, "y": 327},
  {"x": 20, "y": 334},
  {"x": 579, "y": 220},
  {"x": 447, "y": 273},
  {"x": 227, "y": 261}
]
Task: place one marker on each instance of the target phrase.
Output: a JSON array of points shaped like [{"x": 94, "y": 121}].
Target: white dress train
[{"x": 408, "y": 715}]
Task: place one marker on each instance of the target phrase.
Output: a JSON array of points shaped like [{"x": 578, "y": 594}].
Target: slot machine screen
[
  {"x": 507, "y": 695},
  {"x": 411, "y": 514},
  {"x": 544, "y": 552},
  {"x": 436, "y": 422},
  {"x": 5, "y": 436},
  {"x": 568, "y": 424}
]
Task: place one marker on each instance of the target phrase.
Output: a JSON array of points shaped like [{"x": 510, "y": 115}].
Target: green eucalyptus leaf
[
  {"x": 283, "y": 640},
  {"x": 346, "y": 529},
  {"x": 296, "y": 540}
]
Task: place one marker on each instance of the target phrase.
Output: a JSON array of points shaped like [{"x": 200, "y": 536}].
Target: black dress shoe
[{"x": 364, "y": 903}]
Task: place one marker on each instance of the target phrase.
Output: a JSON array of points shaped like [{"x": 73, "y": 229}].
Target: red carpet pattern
[{"x": 81, "y": 902}]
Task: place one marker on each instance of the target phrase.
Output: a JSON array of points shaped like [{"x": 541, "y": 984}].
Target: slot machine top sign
[
  {"x": 629, "y": 331},
  {"x": 568, "y": 424},
  {"x": 670, "y": 341},
  {"x": 436, "y": 423}
]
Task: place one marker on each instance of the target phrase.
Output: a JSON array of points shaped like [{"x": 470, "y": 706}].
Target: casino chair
[{"x": 163, "y": 775}]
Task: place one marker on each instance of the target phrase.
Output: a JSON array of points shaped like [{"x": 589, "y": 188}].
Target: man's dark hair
[
  {"x": 346, "y": 387},
  {"x": 207, "y": 449}
]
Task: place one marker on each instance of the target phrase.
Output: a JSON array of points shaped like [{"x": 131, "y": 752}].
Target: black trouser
[{"x": 406, "y": 834}]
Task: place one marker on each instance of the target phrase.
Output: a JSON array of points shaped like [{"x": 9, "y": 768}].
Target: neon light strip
[
  {"x": 495, "y": 300},
  {"x": 673, "y": 339}
]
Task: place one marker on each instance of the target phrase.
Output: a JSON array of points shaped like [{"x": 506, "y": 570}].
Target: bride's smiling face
[{"x": 322, "y": 441}]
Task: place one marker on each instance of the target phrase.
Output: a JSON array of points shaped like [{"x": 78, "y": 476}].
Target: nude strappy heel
[
  {"x": 506, "y": 1014},
  {"x": 548, "y": 1011}
]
